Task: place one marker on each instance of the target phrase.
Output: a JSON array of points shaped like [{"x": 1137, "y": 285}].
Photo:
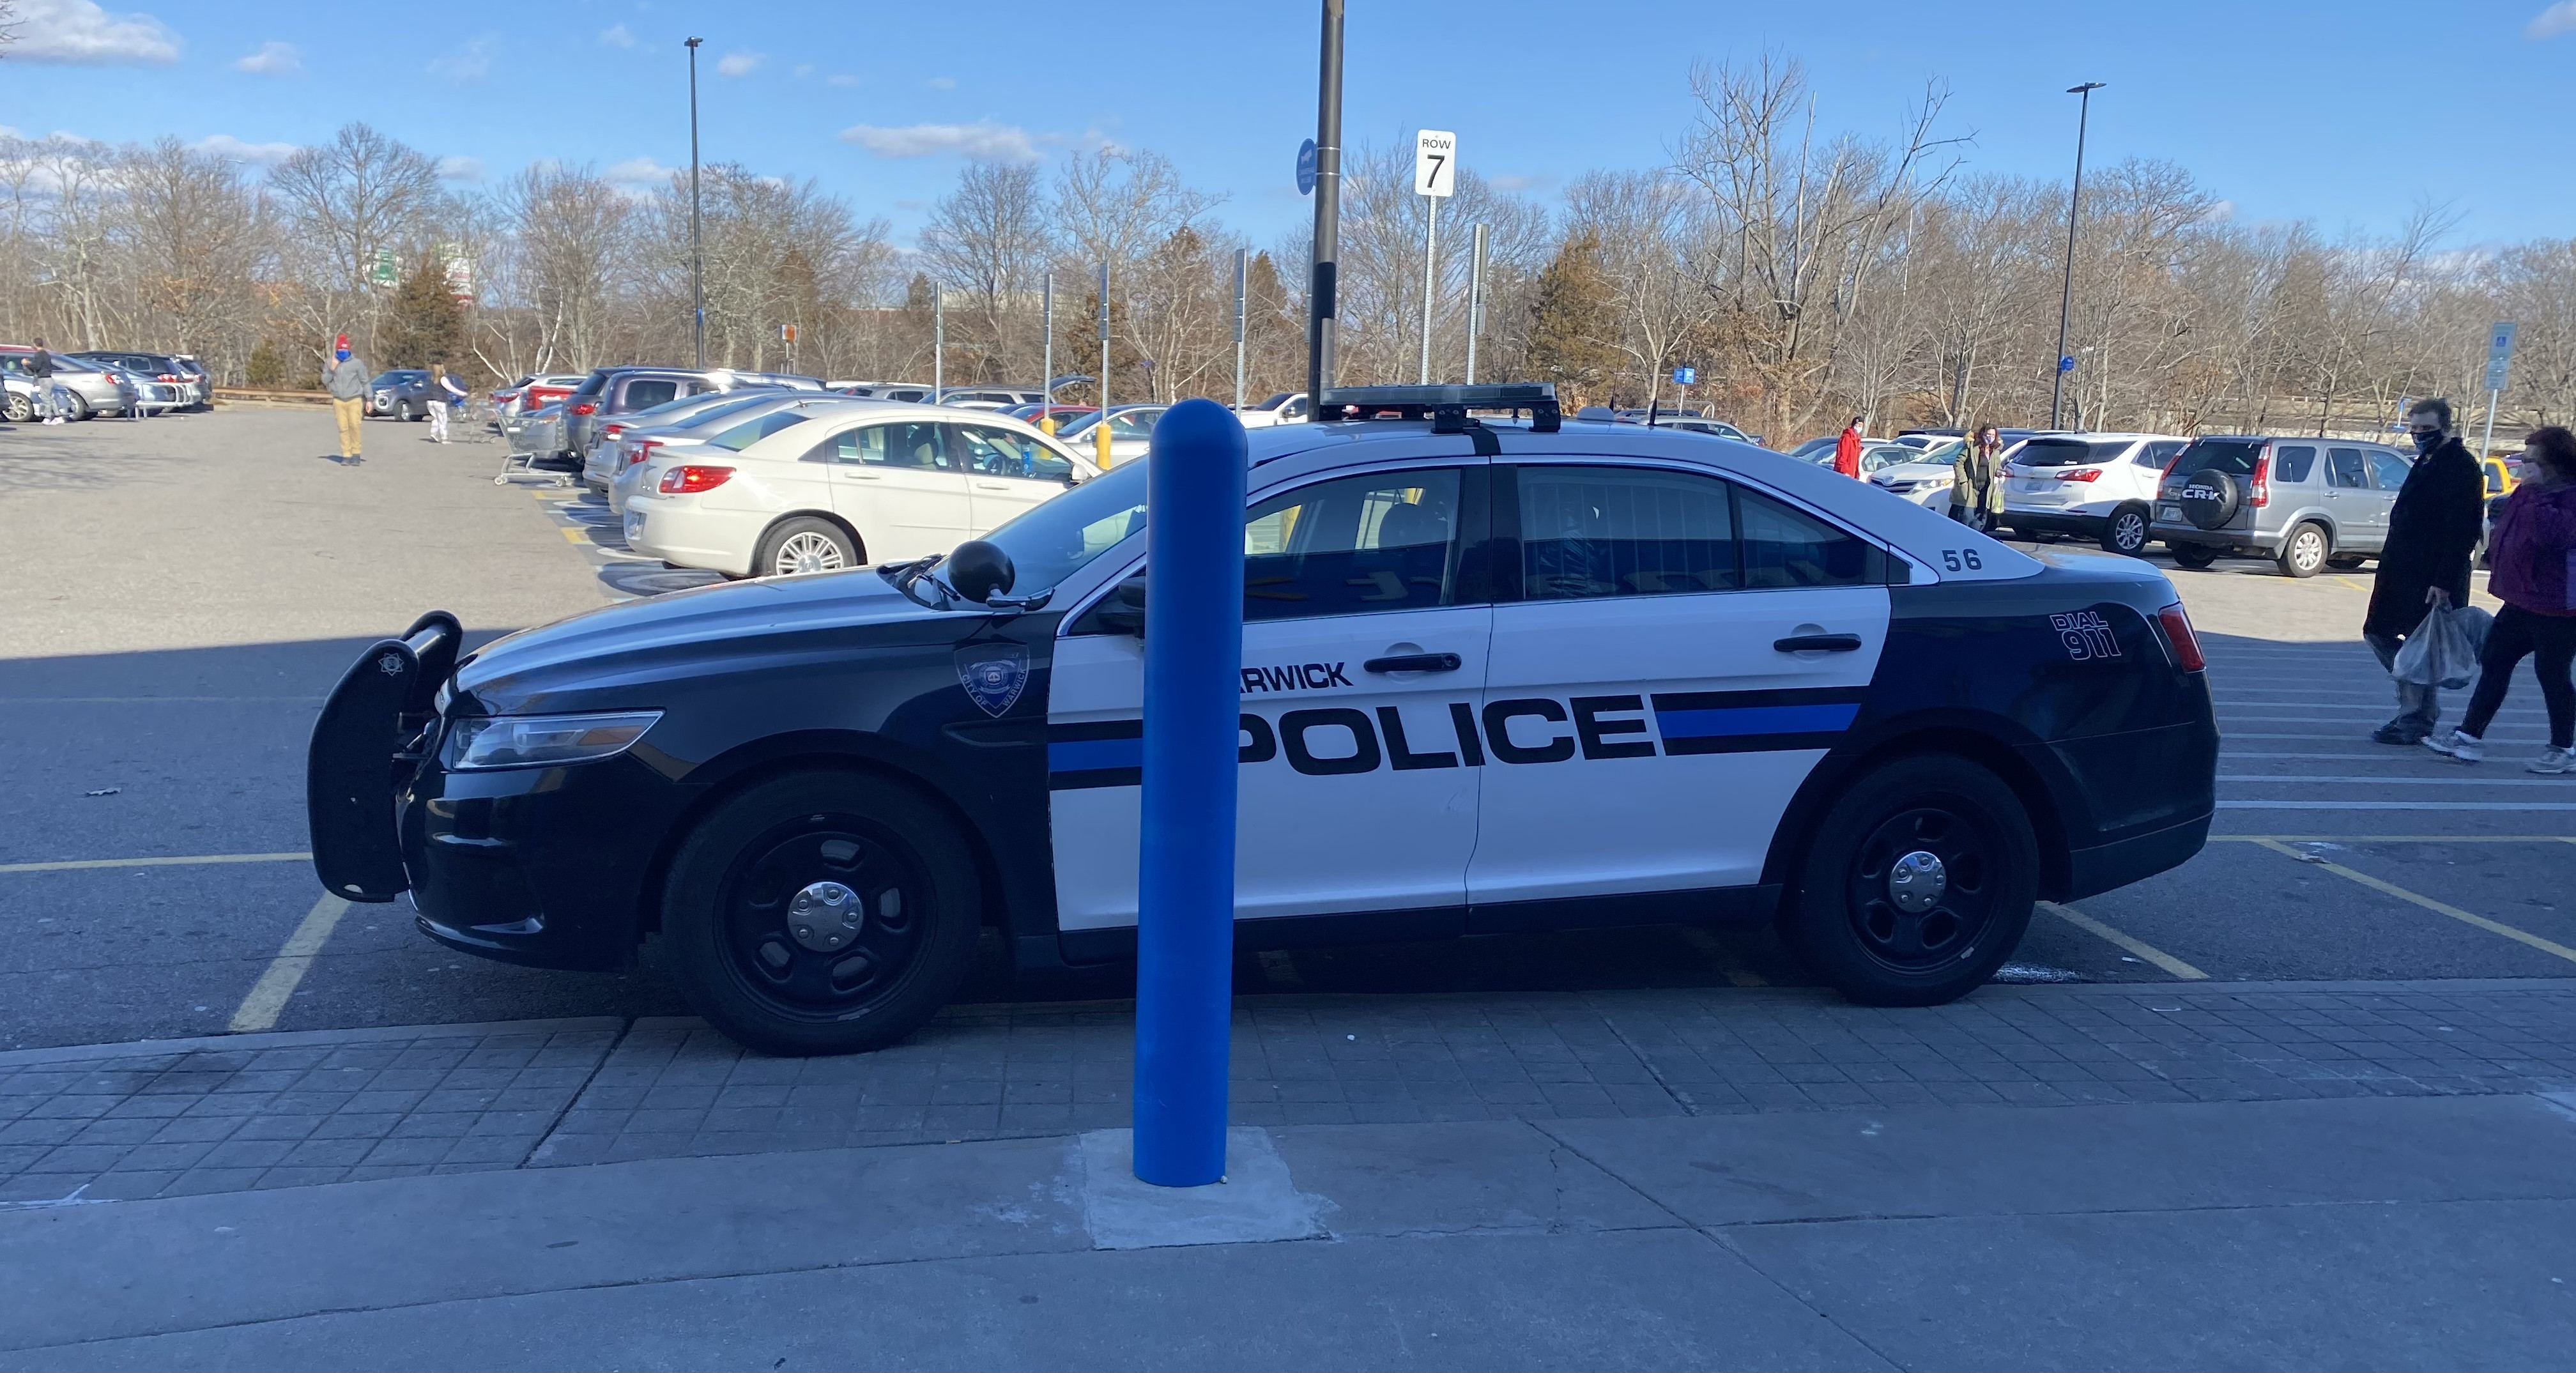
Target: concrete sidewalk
[{"x": 2378, "y": 1232}]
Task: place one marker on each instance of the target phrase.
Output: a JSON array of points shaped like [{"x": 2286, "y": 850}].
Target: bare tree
[
  {"x": 344, "y": 202},
  {"x": 989, "y": 239}
]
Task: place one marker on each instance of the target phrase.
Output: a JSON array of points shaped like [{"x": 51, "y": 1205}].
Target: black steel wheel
[
  {"x": 1919, "y": 884},
  {"x": 822, "y": 912}
]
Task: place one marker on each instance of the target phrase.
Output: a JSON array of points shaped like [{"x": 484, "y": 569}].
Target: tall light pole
[
  {"x": 2066, "y": 294},
  {"x": 697, "y": 245},
  {"x": 1242, "y": 270},
  {"x": 1323, "y": 280}
]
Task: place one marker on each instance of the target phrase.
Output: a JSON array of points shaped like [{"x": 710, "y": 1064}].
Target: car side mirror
[
  {"x": 978, "y": 569},
  {"x": 1122, "y": 611}
]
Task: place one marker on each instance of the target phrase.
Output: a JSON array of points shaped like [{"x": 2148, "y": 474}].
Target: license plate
[{"x": 2169, "y": 512}]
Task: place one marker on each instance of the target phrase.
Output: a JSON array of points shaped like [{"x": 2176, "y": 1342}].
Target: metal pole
[
  {"x": 1430, "y": 268},
  {"x": 697, "y": 246},
  {"x": 2487, "y": 440},
  {"x": 1322, "y": 283},
  {"x": 1475, "y": 297},
  {"x": 1104, "y": 345},
  {"x": 938, "y": 341},
  {"x": 1185, "y": 857},
  {"x": 1242, "y": 269},
  {"x": 1046, "y": 353},
  {"x": 2066, "y": 294}
]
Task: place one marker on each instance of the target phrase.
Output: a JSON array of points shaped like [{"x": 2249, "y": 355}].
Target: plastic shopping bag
[{"x": 2443, "y": 650}]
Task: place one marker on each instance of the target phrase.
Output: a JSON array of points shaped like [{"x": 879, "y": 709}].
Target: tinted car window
[
  {"x": 1360, "y": 544},
  {"x": 643, "y": 393},
  {"x": 2295, "y": 464},
  {"x": 2345, "y": 467},
  {"x": 2232, "y": 456},
  {"x": 2159, "y": 455},
  {"x": 2391, "y": 468},
  {"x": 911, "y": 444},
  {"x": 1002, "y": 453},
  {"x": 744, "y": 435},
  {"x": 1606, "y": 531},
  {"x": 2071, "y": 452},
  {"x": 1786, "y": 548}
]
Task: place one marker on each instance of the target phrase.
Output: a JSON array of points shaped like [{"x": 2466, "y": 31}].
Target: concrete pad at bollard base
[{"x": 1256, "y": 1202}]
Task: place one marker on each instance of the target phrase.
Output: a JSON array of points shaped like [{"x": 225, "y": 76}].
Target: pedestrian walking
[
  {"x": 53, "y": 395},
  {"x": 2532, "y": 552},
  {"x": 444, "y": 396},
  {"x": 2432, "y": 527},
  {"x": 1977, "y": 482},
  {"x": 1847, "y": 449},
  {"x": 346, "y": 380}
]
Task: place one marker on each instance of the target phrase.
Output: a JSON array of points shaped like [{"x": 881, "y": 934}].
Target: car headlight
[{"x": 486, "y": 742}]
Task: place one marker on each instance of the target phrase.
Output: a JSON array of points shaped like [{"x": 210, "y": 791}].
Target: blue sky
[{"x": 2342, "y": 113}]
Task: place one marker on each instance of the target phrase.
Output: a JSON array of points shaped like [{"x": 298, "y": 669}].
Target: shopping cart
[{"x": 527, "y": 439}]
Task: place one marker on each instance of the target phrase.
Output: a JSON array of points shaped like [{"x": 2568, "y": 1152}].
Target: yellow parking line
[
  {"x": 71, "y": 864},
  {"x": 2139, "y": 947},
  {"x": 2347, "y": 581},
  {"x": 259, "y": 1010},
  {"x": 2390, "y": 888},
  {"x": 572, "y": 535},
  {"x": 1722, "y": 957}
]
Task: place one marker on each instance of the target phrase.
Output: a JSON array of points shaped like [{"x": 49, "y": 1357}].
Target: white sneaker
[
  {"x": 2553, "y": 761},
  {"x": 2465, "y": 747}
]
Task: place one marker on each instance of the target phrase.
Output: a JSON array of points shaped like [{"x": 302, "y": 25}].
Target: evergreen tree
[
  {"x": 424, "y": 324},
  {"x": 1573, "y": 318}
]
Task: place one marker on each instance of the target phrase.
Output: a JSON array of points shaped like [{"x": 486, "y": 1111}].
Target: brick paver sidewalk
[{"x": 134, "y": 1121}]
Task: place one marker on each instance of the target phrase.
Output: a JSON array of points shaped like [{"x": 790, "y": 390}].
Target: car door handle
[
  {"x": 992, "y": 486},
  {"x": 1414, "y": 662},
  {"x": 856, "y": 475},
  {"x": 1814, "y": 643}
]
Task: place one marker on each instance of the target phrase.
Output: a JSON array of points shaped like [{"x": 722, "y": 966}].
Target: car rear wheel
[
  {"x": 2193, "y": 555},
  {"x": 2303, "y": 554},
  {"x": 79, "y": 408},
  {"x": 803, "y": 545},
  {"x": 2126, "y": 531},
  {"x": 1919, "y": 884},
  {"x": 17, "y": 409},
  {"x": 822, "y": 912}
]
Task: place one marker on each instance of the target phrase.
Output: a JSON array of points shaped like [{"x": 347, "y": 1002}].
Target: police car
[{"x": 1498, "y": 674}]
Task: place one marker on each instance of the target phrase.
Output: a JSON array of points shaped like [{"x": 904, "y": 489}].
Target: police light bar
[{"x": 1445, "y": 406}]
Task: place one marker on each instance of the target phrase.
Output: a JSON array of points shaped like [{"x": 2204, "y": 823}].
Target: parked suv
[
  {"x": 2303, "y": 503},
  {"x": 400, "y": 393},
  {"x": 612, "y": 391},
  {"x": 2102, "y": 486}
]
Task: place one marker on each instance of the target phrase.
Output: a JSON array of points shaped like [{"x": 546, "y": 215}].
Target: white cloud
[
  {"x": 983, "y": 140},
  {"x": 2221, "y": 211},
  {"x": 272, "y": 59},
  {"x": 264, "y": 154},
  {"x": 461, "y": 168},
  {"x": 941, "y": 83},
  {"x": 639, "y": 177},
  {"x": 803, "y": 70},
  {"x": 467, "y": 64},
  {"x": 738, "y": 63},
  {"x": 841, "y": 79},
  {"x": 2553, "y": 21},
  {"x": 78, "y": 31},
  {"x": 617, "y": 36}
]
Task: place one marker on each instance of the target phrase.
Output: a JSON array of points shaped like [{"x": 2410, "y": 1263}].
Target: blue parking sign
[{"x": 1685, "y": 376}]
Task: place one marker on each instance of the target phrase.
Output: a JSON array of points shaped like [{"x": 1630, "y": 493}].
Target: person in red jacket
[
  {"x": 1847, "y": 449},
  {"x": 2532, "y": 551}
]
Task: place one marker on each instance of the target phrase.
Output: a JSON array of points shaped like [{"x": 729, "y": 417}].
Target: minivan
[{"x": 2303, "y": 503}]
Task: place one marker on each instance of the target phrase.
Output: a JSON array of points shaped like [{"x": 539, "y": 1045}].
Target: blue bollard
[{"x": 1193, "y": 690}]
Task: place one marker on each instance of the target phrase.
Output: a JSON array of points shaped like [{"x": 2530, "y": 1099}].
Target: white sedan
[
  {"x": 1925, "y": 480},
  {"x": 822, "y": 488}
]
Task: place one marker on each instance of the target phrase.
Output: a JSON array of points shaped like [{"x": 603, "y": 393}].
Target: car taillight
[
  {"x": 2186, "y": 645},
  {"x": 643, "y": 449},
  {"x": 2081, "y": 475},
  {"x": 611, "y": 433},
  {"x": 689, "y": 481},
  {"x": 586, "y": 408},
  {"x": 2258, "y": 490}
]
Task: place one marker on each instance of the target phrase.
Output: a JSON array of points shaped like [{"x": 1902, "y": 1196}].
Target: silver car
[
  {"x": 1131, "y": 432},
  {"x": 2305, "y": 504},
  {"x": 615, "y": 449},
  {"x": 95, "y": 388}
]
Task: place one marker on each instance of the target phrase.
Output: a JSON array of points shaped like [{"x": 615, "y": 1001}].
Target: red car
[{"x": 530, "y": 392}]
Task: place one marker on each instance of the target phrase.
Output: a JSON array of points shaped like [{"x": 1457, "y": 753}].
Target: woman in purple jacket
[{"x": 2532, "y": 551}]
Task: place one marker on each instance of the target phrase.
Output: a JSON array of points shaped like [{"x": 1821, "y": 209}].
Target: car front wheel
[
  {"x": 822, "y": 912},
  {"x": 2303, "y": 554},
  {"x": 17, "y": 409},
  {"x": 2126, "y": 531},
  {"x": 1919, "y": 884}
]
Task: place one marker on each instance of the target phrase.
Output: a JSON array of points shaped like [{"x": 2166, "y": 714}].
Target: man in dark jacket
[{"x": 2432, "y": 529}]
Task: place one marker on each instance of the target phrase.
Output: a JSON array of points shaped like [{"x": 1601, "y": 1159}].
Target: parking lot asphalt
[{"x": 182, "y": 593}]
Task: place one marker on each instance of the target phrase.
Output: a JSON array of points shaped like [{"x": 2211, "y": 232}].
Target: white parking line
[
  {"x": 2491, "y": 807},
  {"x": 259, "y": 1010},
  {"x": 2401, "y": 781},
  {"x": 69, "y": 865}
]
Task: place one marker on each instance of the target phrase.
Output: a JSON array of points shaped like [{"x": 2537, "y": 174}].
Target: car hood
[{"x": 612, "y": 657}]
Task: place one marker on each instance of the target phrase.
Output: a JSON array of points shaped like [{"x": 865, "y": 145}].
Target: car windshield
[
  {"x": 2071, "y": 452},
  {"x": 744, "y": 435},
  {"x": 2234, "y": 457},
  {"x": 1275, "y": 401},
  {"x": 1062, "y": 536},
  {"x": 714, "y": 414}
]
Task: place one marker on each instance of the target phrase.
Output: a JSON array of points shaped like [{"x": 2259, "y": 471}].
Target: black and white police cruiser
[{"x": 1498, "y": 674}]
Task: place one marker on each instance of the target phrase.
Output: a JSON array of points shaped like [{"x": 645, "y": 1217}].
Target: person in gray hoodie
[{"x": 346, "y": 379}]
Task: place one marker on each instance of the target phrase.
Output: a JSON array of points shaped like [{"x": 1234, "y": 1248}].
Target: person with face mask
[
  {"x": 2432, "y": 528},
  {"x": 346, "y": 379}
]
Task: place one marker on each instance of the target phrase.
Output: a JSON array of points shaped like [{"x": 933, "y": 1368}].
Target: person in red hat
[{"x": 346, "y": 379}]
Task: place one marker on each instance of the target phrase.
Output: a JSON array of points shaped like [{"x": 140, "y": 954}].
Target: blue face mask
[{"x": 342, "y": 355}]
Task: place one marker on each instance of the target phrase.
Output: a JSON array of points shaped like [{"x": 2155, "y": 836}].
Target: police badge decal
[{"x": 994, "y": 674}]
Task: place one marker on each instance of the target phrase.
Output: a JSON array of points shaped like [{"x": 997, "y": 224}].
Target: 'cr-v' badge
[{"x": 993, "y": 674}]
